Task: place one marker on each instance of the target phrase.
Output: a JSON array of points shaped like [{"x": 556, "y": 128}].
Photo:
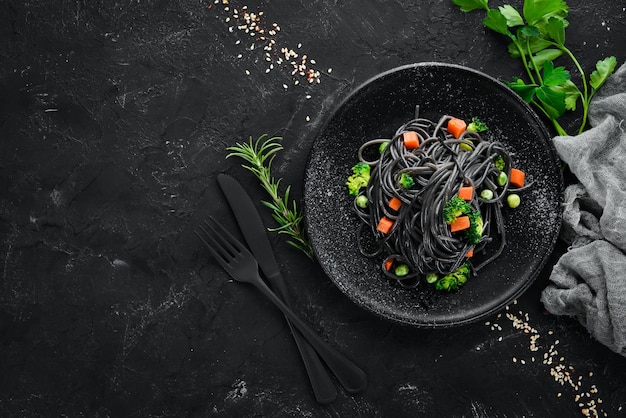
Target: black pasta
[{"x": 437, "y": 169}]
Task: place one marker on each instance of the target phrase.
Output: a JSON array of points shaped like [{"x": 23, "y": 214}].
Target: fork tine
[
  {"x": 218, "y": 256},
  {"x": 233, "y": 244}
]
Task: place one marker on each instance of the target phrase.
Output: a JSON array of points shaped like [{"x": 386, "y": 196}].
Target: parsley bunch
[{"x": 537, "y": 37}]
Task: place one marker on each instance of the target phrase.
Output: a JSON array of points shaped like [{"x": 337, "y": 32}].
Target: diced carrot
[
  {"x": 470, "y": 253},
  {"x": 456, "y": 127},
  {"x": 385, "y": 224},
  {"x": 516, "y": 177},
  {"x": 466, "y": 192},
  {"x": 388, "y": 264},
  {"x": 395, "y": 203},
  {"x": 411, "y": 140},
  {"x": 460, "y": 223}
]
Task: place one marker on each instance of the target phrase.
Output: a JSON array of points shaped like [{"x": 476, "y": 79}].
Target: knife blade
[
  {"x": 255, "y": 234},
  {"x": 352, "y": 378}
]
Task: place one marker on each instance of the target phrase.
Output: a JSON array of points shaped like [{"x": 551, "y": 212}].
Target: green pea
[
  {"x": 513, "y": 200},
  {"x": 486, "y": 194},
  {"x": 465, "y": 146},
  {"x": 431, "y": 278},
  {"x": 502, "y": 178},
  {"x": 401, "y": 270},
  {"x": 361, "y": 201}
]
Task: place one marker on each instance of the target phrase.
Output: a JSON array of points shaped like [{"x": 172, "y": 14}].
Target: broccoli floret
[
  {"x": 498, "y": 162},
  {"x": 406, "y": 181},
  {"x": 454, "y": 280},
  {"x": 475, "y": 231},
  {"x": 359, "y": 178},
  {"x": 476, "y": 125},
  {"x": 454, "y": 208}
]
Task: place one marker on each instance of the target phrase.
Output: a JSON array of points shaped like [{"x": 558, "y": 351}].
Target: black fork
[{"x": 241, "y": 265}]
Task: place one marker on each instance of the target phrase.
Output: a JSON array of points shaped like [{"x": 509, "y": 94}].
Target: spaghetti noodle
[{"x": 420, "y": 182}]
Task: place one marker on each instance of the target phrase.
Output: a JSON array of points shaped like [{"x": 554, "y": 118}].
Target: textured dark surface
[{"x": 114, "y": 119}]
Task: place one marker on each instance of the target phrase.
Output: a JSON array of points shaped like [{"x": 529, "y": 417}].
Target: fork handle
[
  {"x": 323, "y": 387},
  {"x": 351, "y": 376}
]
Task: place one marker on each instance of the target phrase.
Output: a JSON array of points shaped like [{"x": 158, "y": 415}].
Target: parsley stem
[
  {"x": 534, "y": 64},
  {"x": 557, "y": 126},
  {"x": 586, "y": 98},
  {"x": 524, "y": 61}
]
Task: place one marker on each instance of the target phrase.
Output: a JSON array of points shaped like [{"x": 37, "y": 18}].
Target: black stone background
[{"x": 114, "y": 119}]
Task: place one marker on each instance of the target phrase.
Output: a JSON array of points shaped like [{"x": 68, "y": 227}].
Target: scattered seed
[{"x": 563, "y": 373}]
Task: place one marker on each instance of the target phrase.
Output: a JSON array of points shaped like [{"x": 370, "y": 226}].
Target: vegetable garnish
[
  {"x": 513, "y": 200},
  {"x": 395, "y": 203},
  {"x": 384, "y": 225},
  {"x": 454, "y": 280},
  {"x": 476, "y": 125},
  {"x": 466, "y": 192},
  {"x": 516, "y": 177},
  {"x": 259, "y": 155},
  {"x": 406, "y": 181},
  {"x": 361, "y": 201},
  {"x": 456, "y": 127},
  {"x": 359, "y": 178},
  {"x": 388, "y": 264},
  {"x": 460, "y": 223},
  {"x": 411, "y": 139},
  {"x": 454, "y": 208},
  {"x": 537, "y": 37}
]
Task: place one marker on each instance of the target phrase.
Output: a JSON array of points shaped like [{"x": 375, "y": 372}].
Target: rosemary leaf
[{"x": 259, "y": 156}]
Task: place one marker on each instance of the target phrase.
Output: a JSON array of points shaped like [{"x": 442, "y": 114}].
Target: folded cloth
[{"x": 589, "y": 281}]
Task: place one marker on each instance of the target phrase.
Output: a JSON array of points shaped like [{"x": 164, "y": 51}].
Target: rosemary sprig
[{"x": 259, "y": 155}]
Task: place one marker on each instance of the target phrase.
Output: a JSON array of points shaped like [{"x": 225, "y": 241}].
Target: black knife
[{"x": 349, "y": 375}]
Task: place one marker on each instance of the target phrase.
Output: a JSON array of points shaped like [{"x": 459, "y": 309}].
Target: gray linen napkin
[{"x": 589, "y": 280}]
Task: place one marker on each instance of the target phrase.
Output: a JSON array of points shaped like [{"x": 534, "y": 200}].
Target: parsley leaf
[
  {"x": 546, "y": 55},
  {"x": 469, "y": 5},
  {"x": 555, "y": 28},
  {"x": 572, "y": 94},
  {"x": 497, "y": 22},
  {"x": 539, "y": 11},
  {"x": 513, "y": 18},
  {"x": 552, "y": 99},
  {"x": 526, "y": 91},
  {"x": 604, "y": 68},
  {"x": 554, "y": 76}
]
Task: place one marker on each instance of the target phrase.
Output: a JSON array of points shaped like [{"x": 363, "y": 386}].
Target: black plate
[{"x": 377, "y": 109}]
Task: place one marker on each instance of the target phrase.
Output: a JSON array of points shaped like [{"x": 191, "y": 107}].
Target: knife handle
[
  {"x": 323, "y": 387},
  {"x": 352, "y": 378}
]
